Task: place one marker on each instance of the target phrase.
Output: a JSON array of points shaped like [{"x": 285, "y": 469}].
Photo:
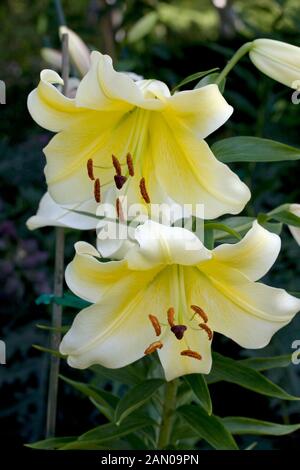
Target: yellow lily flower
[
  {"x": 169, "y": 294},
  {"x": 156, "y": 139},
  {"x": 277, "y": 60}
]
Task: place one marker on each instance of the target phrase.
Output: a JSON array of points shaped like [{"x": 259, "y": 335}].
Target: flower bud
[
  {"x": 79, "y": 52},
  {"x": 278, "y": 60}
]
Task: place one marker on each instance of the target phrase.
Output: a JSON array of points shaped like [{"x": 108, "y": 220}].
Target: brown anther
[
  {"x": 117, "y": 165},
  {"x": 207, "y": 329},
  {"x": 120, "y": 181},
  {"x": 190, "y": 353},
  {"x": 155, "y": 324},
  {"x": 130, "y": 164},
  {"x": 178, "y": 330},
  {"x": 119, "y": 210},
  {"x": 97, "y": 190},
  {"x": 200, "y": 312},
  {"x": 90, "y": 169},
  {"x": 171, "y": 316},
  {"x": 143, "y": 191},
  {"x": 153, "y": 347}
]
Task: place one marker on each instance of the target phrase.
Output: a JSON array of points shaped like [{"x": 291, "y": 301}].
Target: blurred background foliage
[{"x": 168, "y": 41}]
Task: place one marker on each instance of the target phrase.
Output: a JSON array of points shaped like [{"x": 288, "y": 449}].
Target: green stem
[
  {"x": 167, "y": 414},
  {"x": 243, "y": 50}
]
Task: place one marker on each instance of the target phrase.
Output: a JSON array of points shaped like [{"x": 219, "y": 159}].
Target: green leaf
[
  {"x": 95, "y": 445},
  {"x": 67, "y": 300},
  {"x": 209, "y": 428},
  {"x": 235, "y": 372},
  {"x": 222, "y": 227},
  {"x": 240, "y": 225},
  {"x": 63, "y": 329},
  {"x": 106, "y": 401},
  {"x": 136, "y": 397},
  {"x": 142, "y": 27},
  {"x": 199, "y": 386},
  {"x": 48, "y": 350},
  {"x": 108, "y": 432},
  {"x": 52, "y": 443},
  {"x": 211, "y": 79},
  {"x": 287, "y": 217},
  {"x": 253, "y": 149},
  {"x": 239, "y": 425},
  {"x": 266, "y": 363},
  {"x": 191, "y": 78}
]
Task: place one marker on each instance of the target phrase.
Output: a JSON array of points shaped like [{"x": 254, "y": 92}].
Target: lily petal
[{"x": 254, "y": 255}]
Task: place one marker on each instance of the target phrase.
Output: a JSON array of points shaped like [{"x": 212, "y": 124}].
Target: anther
[
  {"x": 171, "y": 316},
  {"x": 153, "y": 347},
  {"x": 178, "y": 330},
  {"x": 200, "y": 312},
  {"x": 90, "y": 169},
  {"x": 143, "y": 191},
  {"x": 119, "y": 210},
  {"x": 155, "y": 324},
  {"x": 130, "y": 164},
  {"x": 120, "y": 181},
  {"x": 117, "y": 165},
  {"x": 97, "y": 190},
  {"x": 207, "y": 329},
  {"x": 190, "y": 353}
]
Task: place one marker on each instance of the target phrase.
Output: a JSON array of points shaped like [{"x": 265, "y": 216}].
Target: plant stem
[
  {"x": 167, "y": 414},
  {"x": 243, "y": 50},
  {"x": 60, "y": 13},
  {"x": 58, "y": 290}
]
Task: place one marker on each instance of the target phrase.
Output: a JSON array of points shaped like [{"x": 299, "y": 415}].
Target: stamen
[
  {"x": 90, "y": 169},
  {"x": 207, "y": 329},
  {"x": 97, "y": 190},
  {"x": 119, "y": 210},
  {"x": 155, "y": 324},
  {"x": 178, "y": 330},
  {"x": 200, "y": 312},
  {"x": 130, "y": 164},
  {"x": 143, "y": 191},
  {"x": 120, "y": 181},
  {"x": 190, "y": 353},
  {"x": 171, "y": 316},
  {"x": 117, "y": 165},
  {"x": 153, "y": 347}
]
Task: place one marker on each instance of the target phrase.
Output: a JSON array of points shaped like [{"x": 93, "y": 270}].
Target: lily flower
[
  {"x": 295, "y": 231},
  {"x": 137, "y": 137},
  {"x": 277, "y": 60},
  {"x": 50, "y": 213},
  {"x": 169, "y": 294}
]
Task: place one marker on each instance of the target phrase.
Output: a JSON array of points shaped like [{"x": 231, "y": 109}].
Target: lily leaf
[
  {"x": 235, "y": 372},
  {"x": 136, "y": 397},
  {"x": 239, "y": 425},
  {"x": 142, "y": 27},
  {"x": 253, "y": 149},
  {"x": 193, "y": 77},
  {"x": 52, "y": 443},
  {"x": 211, "y": 79},
  {"x": 67, "y": 300},
  {"x": 48, "y": 350},
  {"x": 199, "y": 386},
  {"x": 209, "y": 428},
  {"x": 266, "y": 363}
]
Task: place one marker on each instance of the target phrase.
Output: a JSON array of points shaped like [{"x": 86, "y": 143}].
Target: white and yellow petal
[{"x": 253, "y": 256}]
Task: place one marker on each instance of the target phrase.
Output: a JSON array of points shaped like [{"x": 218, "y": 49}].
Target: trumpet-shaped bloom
[
  {"x": 50, "y": 213},
  {"x": 156, "y": 139},
  {"x": 169, "y": 294},
  {"x": 295, "y": 231},
  {"x": 278, "y": 60}
]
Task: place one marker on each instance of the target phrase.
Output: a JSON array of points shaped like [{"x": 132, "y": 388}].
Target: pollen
[
  {"x": 120, "y": 180},
  {"x": 200, "y": 312},
  {"x": 117, "y": 165},
  {"x": 130, "y": 164},
  {"x": 190, "y": 353},
  {"x": 90, "y": 169},
  {"x": 155, "y": 324},
  {"x": 207, "y": 329},
  {"x": 171, "y": 316},
  {"x": 97, "y": 190},
  {"x": 153, "y": 347},
  {"x": 178, "y": 330},
  {"x": 143, "y": 191},
  {"x": 119, "y": 210}
]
